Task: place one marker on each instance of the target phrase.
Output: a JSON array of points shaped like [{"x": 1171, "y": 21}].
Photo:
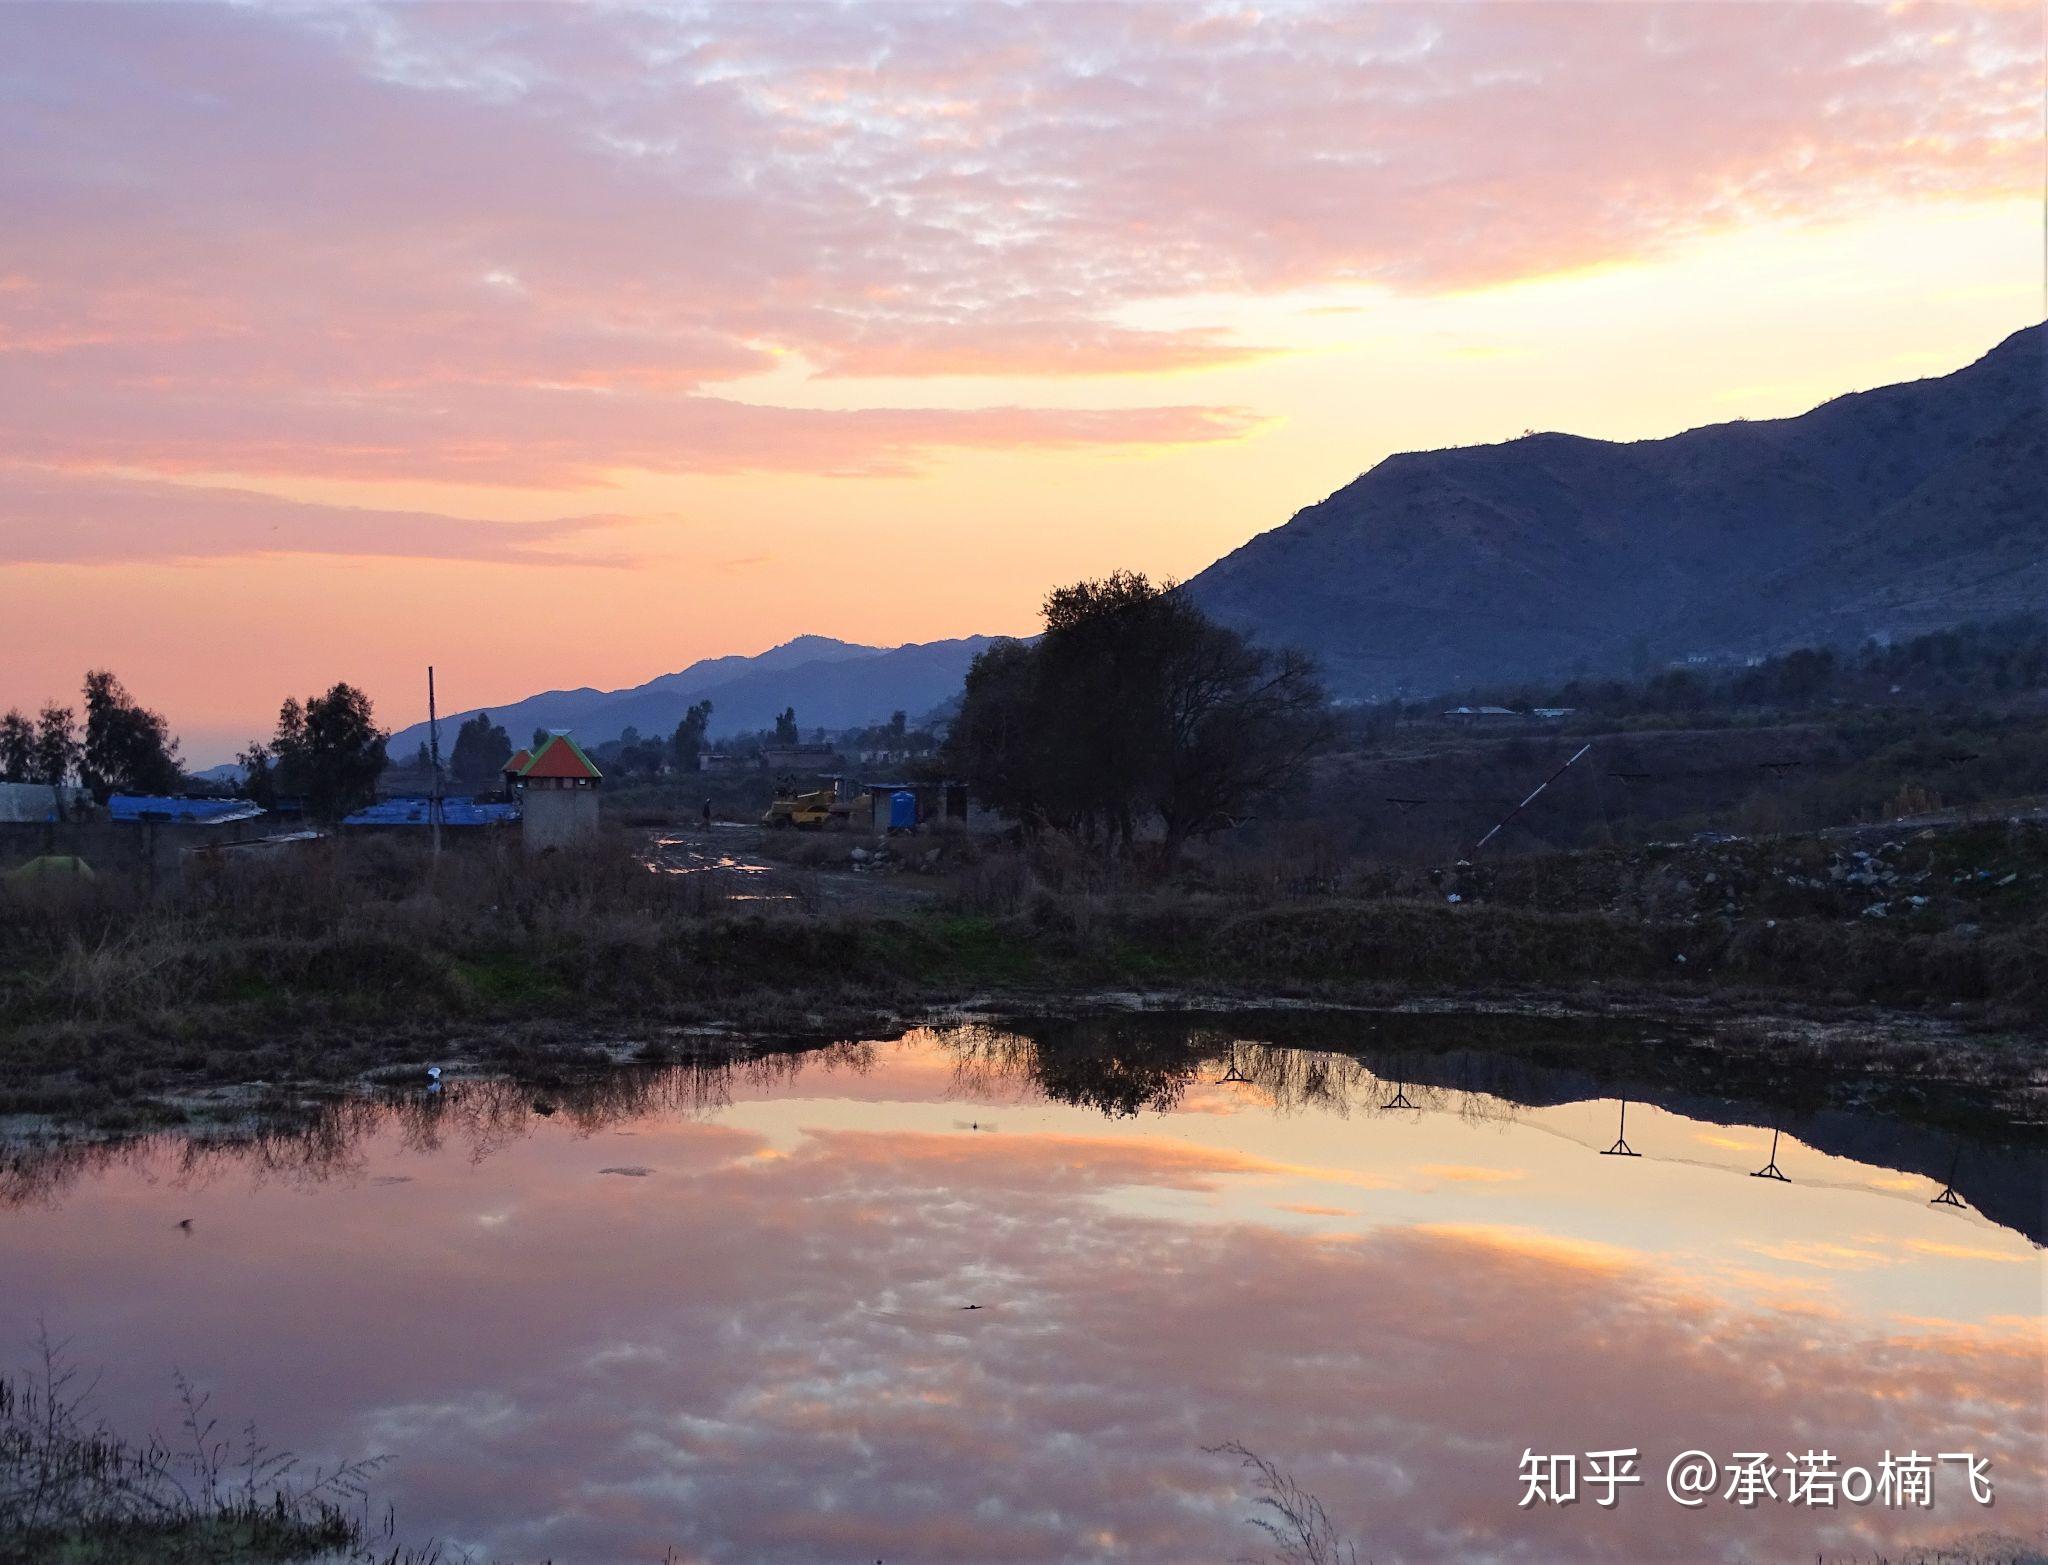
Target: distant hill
[
  {"x": 832, "y": 684},
  {"x": 1883, "y": 513}
]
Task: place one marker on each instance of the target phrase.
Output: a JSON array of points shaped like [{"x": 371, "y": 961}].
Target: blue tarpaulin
[
  {"x": 186, "y": 812},
  {"x": 416, "y": 812}
]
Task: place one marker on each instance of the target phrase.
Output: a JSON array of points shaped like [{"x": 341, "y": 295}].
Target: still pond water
[{"x": 726, "y": 1310}]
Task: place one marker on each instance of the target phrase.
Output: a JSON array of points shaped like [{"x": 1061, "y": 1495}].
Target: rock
[{"x": 860, "y": 855}]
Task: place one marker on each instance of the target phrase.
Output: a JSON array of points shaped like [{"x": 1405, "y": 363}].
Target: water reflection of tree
[
  {"x": 1116, "y": 1070},
  {"x": 318, "y": 1143},
  {"x": 1120, "y": 1066},
  {"x": 1124, "y": 1065}
]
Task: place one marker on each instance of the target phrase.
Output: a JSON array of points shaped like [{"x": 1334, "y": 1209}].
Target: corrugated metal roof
[
  {"x": 183, "y": 812},
  {"x": 561, "y": 756},
  {"x": 518, "y": 760},
  {"x": 415, "y": 812}
]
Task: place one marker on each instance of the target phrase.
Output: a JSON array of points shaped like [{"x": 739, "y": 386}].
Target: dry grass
[
  {"x": 72, "y": 1489},
  {"x": 360, "y": 954}
]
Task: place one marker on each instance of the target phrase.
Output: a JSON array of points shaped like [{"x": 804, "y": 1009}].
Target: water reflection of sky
[{"x": 756, "y": 1351}]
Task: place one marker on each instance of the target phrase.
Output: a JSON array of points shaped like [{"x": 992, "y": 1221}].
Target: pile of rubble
[{"x": 1958, "y": 879}]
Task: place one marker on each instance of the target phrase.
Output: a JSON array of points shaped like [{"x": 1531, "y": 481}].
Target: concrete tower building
[{"x": 557, "y": 788}]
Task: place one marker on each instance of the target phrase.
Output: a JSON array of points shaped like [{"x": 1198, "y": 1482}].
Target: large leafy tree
[
  {"x": 128, "y": 748},
  {"x": 482, "y": 748},
  {"x": 686, "y": 745},
  {"x": 1135, "y": 712},
  {"x": 328, "y": 753},
  {"x": 998, "y": 741},
  {"x": 785, "y": 726}
]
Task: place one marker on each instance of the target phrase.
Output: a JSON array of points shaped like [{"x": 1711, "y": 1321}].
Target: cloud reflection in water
[{"x": 759, "y": 1350}]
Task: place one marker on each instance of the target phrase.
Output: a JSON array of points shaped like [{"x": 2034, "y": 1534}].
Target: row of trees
[
  {"x": 327, "y": 751},
  {"x": 649, "y": 755},
  {"x": 482, "y": 747},
  {"x": 1985, "y": 660},
  {"x": 895, "y": 735},
  {"x": 124, "y": 747},
  {"x": 1134, "y": 709},
  {"x": 327, "y": 754}
]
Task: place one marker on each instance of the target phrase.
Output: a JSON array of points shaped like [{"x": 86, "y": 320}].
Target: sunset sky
[{"x": 559, "y": 345}]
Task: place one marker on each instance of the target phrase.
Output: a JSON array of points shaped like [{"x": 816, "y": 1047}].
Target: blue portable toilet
[{"x": 903, "y": 811}]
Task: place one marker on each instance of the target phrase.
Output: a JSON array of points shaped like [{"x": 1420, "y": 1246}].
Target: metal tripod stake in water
[
  {"x": 1621, "y": 1148},
  {"x": 1771, "y": 1170}
]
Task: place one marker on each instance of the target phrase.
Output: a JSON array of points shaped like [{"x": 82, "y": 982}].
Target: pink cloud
[
  {"x": 468, "y": 241},
  {"x": 68, "y": 518},
  {"x": 540, "y": 436},
  {"x": 766, "y": 1359}
]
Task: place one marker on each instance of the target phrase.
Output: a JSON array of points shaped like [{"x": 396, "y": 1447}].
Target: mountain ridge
[
  {"x": 1554, "y": 553},
  {"x": 831, "y": 683},
  {"x": 1888, "y": 511}
]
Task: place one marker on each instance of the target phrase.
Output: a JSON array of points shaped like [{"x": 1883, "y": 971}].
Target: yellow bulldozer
[{"x": 803, "y": 811}]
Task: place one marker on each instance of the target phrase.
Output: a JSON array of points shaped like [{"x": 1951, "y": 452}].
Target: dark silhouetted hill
[
  {"x": 1882, "y": 513},
  {"x": 832, "y": 684}
]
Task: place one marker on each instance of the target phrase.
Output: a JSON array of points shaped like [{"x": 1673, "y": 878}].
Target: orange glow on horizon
[{"x": 546, "y": 413}]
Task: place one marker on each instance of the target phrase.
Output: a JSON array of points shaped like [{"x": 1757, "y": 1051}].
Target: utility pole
[{"x": 434, "y": 752}]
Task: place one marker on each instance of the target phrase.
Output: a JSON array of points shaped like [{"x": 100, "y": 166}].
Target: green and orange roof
[{"x": 561, "y": 756}]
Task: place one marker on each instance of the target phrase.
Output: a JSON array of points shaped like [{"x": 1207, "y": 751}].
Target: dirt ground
[{"x": 733, "y": 851}]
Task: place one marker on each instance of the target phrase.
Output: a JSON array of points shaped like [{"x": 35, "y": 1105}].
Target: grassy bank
[
  {"x": 358, "y": 955},
  {"x": 74, "y": 1491}
]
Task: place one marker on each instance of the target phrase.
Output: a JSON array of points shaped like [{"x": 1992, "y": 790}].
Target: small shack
[
  {"x": 557, "y": 790},
  {"x": 800, "y": 760},
  {"x": 906, "y": 806},
  {"x": 1482, "y": 714},
  {"x": 33, "y": 803},
  {"x": 160, "y": 829}
]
